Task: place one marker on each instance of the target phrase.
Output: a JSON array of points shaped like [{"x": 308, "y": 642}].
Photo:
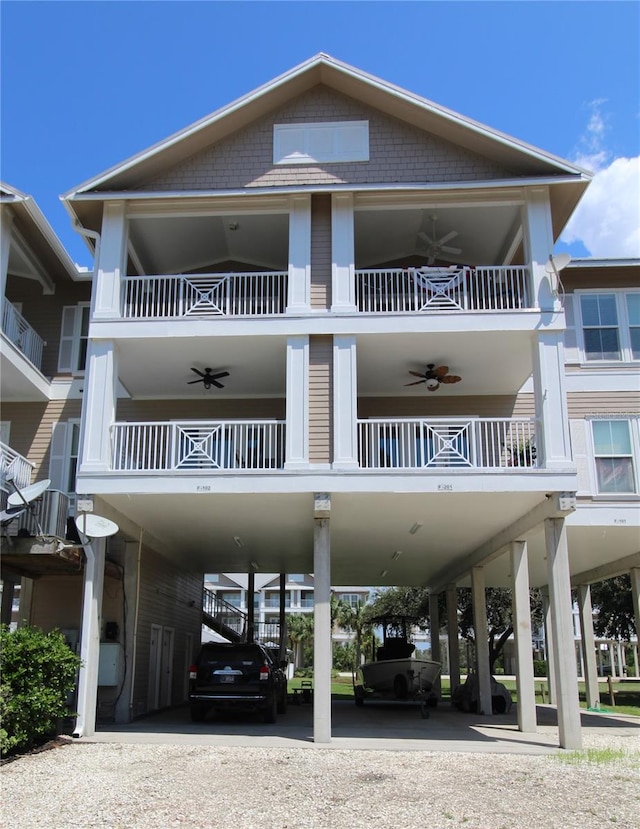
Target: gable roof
[{"x": 323, "y": 69}]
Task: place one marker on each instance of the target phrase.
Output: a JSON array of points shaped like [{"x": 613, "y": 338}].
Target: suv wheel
[
  {"x": 198, "y": 712},
  {"x": 271, "y": 710}
]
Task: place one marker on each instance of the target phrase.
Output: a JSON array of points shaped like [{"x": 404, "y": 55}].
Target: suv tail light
[
  {"x": 193, "y": 672},
  {"x": 264, "y": 672}
]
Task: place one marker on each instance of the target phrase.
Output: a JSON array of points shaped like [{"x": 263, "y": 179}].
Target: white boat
[{"x": 395, "y": 673}]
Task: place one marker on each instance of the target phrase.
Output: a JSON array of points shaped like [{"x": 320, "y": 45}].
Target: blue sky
[{"x": 85, "y": 85}]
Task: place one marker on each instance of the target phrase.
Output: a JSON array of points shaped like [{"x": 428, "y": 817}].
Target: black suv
[{"x": 236, "y": 675}]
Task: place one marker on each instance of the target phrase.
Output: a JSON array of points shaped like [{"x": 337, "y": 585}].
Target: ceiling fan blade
[
  {"x": 446, "y": 249},
  {"x": 417, "y": 373},
  {"x": 219, "y": 374},
  {"x": 450, "y": 378},
  {"x": 197, "y": 371},
  {"x": 451, "y": 235},
  {"x": 216, "y": 384},
  {"x": 417, "y": 382},
  {"x": 426, "y": 237},
  {"x": 191, "y": 382},
  {"x": 441, "y": 371}
]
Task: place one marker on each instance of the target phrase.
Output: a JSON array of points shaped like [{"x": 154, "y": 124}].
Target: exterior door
[
  {"x": 153, "y": 691},
  {"x": 166, "y": 667}
]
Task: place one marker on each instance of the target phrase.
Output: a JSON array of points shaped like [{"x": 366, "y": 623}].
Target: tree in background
[
  {"x": 414, "y": 602},
  {"x": 356, "y": 619},
  {"x": 612, "y": 603},
  {"x": 300, "y": 636}
]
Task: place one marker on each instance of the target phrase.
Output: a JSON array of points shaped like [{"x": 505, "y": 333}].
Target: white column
[
  {"x": 297, "y": 405},
  {"x": 345, "y": 403},
  {"x": 26, "y": 601},
  {"x": 6, "y": 227},
  {"x": 299, "y": 300},
  {"x": 434, "y": 625},
  {"x": 588, "y": 646},
  {"x": 452, "y": 634},
  {"x": 525, "y": 687},
  {"x": 343, "y": 288},
  {"x": 566, "y": 675},
  {"x": 552, "y": 433},
  {"x": 634, "y": 575},
  {"x": 90, "y": 637},
  {"x": 480, "y": 626},
  {"x": 538, "y": 246},
  {"x": 322, "y": 619},
  {"x": 131, "y": 578},
  {"x": 107, "y": 288},
  {"x": 99, "y": 407}
]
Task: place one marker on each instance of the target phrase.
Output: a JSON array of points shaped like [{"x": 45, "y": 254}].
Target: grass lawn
[{"x": 627, "y": 694}]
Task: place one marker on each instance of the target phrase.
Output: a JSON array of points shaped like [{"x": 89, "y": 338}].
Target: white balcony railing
[
  {"x": 244, "y": 445},
  {"x": 452, "y": 443},
  {"x": 416, "y": 290},
  {"x": 21, "y": 334},
  {"x": 14, "y": 466},
  {"x": 204, "y": 295}
]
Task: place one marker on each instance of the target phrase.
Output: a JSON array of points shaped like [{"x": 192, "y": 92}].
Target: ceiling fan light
[{"x": 432, "y": 383}]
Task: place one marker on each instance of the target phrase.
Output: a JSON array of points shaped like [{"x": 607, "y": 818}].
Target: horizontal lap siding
[
  {"x": 321, "y": 251},
  {"x": 166, "y": 594},
  {"x": 483, "y": 406},
  {"x": 320, "y": 399},
  {"x": 398, "y": 152},
  {"x": 204, "y": 409},
  {"x": 586, "y": 404},
  {"x": 31, "y": 428}
]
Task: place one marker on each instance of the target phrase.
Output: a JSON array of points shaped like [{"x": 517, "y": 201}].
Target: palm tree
[
  {"x": 299, "y": 634},
  {"x": 355, "y": 619}
]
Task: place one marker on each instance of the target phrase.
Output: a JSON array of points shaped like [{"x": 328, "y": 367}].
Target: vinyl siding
[
  {"x": 398, "y": 153},
  {"x": 321, "y": 251},
  {"x": 320, "y": 399},
  {"x": 206, "y": 409},
  {"x": 32, "y": 426},
  {"x": 434, "y": 406},
  {"x": 44, "y": 312}
]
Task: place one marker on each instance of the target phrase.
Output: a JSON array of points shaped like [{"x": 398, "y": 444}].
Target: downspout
[{"x": 135, "y": 629}]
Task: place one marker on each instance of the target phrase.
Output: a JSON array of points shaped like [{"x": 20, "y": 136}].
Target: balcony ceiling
[{"x": 245, "y": 241}]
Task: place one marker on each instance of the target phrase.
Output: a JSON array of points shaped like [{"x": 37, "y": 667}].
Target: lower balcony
[
  {"x": 21, "y": 334},
  {"x": 15, "y": 468}
]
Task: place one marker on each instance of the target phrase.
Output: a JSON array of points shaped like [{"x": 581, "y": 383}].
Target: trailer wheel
[{"x": 400, "y": 687}]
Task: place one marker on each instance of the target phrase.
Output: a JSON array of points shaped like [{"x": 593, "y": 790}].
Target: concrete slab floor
[{"x": 376, "y": 725}]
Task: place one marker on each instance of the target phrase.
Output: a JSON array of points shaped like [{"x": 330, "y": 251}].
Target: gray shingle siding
[{"x": 398, "y": 152}]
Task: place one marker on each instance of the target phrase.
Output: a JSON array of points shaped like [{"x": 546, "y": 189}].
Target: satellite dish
[
  {"x": 95, "y": 526},
  {"x": 24, "y": 496},
  {"x": 7, "y": 515},
  {"x": 557, "y": 263}
]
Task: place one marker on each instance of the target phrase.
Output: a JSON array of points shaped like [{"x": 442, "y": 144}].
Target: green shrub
[
  {"x": 38, "y": 674},
  {"x": 539, "y": 667}
]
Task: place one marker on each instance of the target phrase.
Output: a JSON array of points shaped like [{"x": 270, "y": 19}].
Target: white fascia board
[
  {"x": 603, "y": 263},
  {"x": 492, "y": 184}
]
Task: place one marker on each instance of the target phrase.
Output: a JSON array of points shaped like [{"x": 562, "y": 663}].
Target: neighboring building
[{"x": 319, "y": 245}]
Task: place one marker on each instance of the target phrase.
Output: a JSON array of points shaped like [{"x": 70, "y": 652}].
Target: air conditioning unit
[{"x": 50, "y": 511}]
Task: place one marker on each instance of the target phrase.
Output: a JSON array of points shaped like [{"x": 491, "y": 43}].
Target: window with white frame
[
  {"x": 328, "y": 143},
  {"x": 63, "y": 456},
  {"x": 610, "y": 325},
  {"x": 352, "y": 599},
  {"x": 74, "y": 334},
  {"x": 613, "y": 451}
]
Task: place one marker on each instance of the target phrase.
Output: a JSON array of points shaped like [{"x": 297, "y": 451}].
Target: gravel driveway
[{"x": 124, "y": 786}]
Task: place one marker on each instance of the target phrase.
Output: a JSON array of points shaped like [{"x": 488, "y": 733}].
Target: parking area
[{"x": 376, "y": 725}]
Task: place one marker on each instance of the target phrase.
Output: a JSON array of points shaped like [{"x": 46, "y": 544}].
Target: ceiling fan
[
  {"x": 434, "y": 376},
  {"x": 208, "y": 379},
  {"x": 437, "y": 246}
]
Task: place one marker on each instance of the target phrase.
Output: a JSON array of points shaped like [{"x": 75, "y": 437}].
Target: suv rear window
[{"x": 238, "y": 654}]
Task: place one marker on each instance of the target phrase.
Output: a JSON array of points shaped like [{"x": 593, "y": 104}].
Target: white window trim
[
  {"x": 335, "y": 133},
  {"x": 634, "y": 434},
  {"x": 624, "y": 328},
  {"x": 72, "y": 368}
]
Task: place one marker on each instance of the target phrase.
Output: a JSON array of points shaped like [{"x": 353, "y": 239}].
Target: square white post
[
  {"x": 452, "y": 635},
  {"x": 549, "y": 646},
  {"x": 297, "y": 405},
  {"x": 6, "y": 232},
  {"x": 434, "y": 626},
  {"x": 345, "y": 403},
  {"x": 483, "y": 667},
  {"x": 564, "y": 653},
  {"x": 522, "y": 630},
  {"x": 538, "y": 246},
  {"x": 99, "y": 406},
  {"x": 552, "y": 431},
  {"x": 634, "y": 575},
  {"x": 343, "y": 288},
  {"x": 588, "y": 644},
  {"x": 90, "y": 637},
  {"x": 322, "y": 619},
  {"x": 299, "y": 299},
  {"x": 111, "y": 266}
]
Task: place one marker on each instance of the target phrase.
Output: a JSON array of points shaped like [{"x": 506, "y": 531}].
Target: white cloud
[{"x": 607, "y": 220}]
